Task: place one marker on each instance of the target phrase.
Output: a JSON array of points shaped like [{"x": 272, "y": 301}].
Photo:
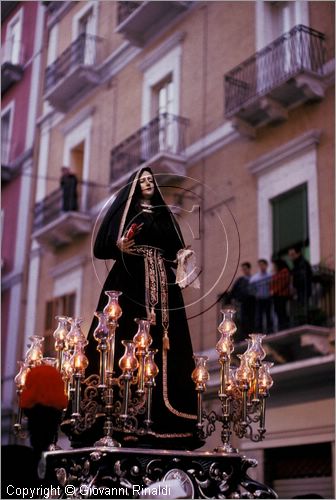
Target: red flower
[{"x": 44, "y": 386}]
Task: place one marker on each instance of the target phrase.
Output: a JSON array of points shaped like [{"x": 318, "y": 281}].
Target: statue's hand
[{"x": 125, "y": 245}]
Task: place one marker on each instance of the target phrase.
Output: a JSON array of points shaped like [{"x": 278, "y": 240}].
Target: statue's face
[{"x": 146, "y": 185}]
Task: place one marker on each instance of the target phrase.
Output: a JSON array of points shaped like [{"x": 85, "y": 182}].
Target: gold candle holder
[
  {"x": 142, "y": 340},
  {"x": 101, "y": 335},
  {"x": 79, "y": 364},
  {"x": 112, "y": 312},
  {"x": 128, "y": 363},
  {"x": 34, "y": 354},
  {"x": 20, "y": 381},
  {"x": 200, "y": 376},
  {"x": 150, "y": 372},
  {"x": 60, "y": 335}
]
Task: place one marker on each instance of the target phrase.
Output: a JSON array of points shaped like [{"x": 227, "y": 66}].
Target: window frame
[
  {"x": 9, "y": 109},
  {"x": 17, "y": 18}
]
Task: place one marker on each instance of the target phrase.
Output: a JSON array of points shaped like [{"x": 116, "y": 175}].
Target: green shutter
[{"x": 290, "y": 220}]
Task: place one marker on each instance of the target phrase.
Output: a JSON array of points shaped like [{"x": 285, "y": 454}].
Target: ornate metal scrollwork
[{"x": 124, "y": 472}]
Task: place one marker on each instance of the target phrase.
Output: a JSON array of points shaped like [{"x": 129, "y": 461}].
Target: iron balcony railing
[
  {"x": 164, "y": 134},
  {"x": 274, "y": 304},
  {"x": 85, "y": 50},
  {"x": 301, "y": 49},
  {"x": 48, "y": 209},
  {"x": 125, "y": 9}
]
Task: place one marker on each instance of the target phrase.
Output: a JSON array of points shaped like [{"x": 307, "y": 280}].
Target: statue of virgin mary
[{"x": 143, "y": 237}]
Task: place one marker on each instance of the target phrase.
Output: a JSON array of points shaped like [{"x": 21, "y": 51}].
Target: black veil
[{"x": 122, "y": 212}]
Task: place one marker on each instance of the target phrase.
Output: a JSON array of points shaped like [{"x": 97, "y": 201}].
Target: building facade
[
  {"x": 22, "y": 31},
  {"x": 231, "y": 105}
]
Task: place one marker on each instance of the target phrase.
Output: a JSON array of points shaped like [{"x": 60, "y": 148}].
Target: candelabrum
[
  {"x": 125, "y": 402},
  {"x": 34, "y": 357},
  {"x": 243, "y": 390}
]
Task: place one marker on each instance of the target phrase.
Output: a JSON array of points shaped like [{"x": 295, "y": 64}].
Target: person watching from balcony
[
  {"x": 243, "y": 297},
  {"x": 260, "y": 285},
  {"x": 68, "y": 183},
  {"x": 301, "y": 276},
  {"x": 280, "y": 291}
]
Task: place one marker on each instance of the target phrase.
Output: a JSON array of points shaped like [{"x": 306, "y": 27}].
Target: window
[
  {"x": 85, "y": 23},
  {"x": 5, "y": 137},
  {"x": 59, "y": 306},
  {"x": 163, "y": 108},
  {"x": 163, "y": 96},
  {"x": 290, "y": 221},
  {"x": 13, "y": 40}
]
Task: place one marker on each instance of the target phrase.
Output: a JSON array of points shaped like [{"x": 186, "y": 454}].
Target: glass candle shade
[
  {"x": 75, "y": 335},
  {"x": 200, "y": 374},
  {"x": 227, "y": 324},
  {"x": 61, "y": 332},
  {"x": 255, "y": 350},
  {"x": 142, "y": 339},
  {"x": 101, "y": 333},
  {"x": 231, "y": 385},
  {"x": 112, "y": 310},
  {"x": 128, "y": 363},
  {"x": 224, "y": 346},
  {"x": 20, "y": 378},
  {"x": 244, "y": 373},
  {"x": 79, "y": 361},
  {"x": 265, "y": 380},
  {"x": 34, "y": 354},
  {"x": 151, "y": 369}
]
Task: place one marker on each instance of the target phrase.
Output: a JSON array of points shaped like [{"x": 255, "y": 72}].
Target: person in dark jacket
[
  {"x": 68, "y": 185},
  {"x": 242, "y": 294},
  {"x": 301, "y": 276},
  {"x": 280, "y": 291}
]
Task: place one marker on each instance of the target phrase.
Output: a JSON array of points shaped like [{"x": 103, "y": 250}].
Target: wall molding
[
  {"x": 161, "y": 51},
  {"x": 211, "y": 143},
  {"x": 77, "y": 120},
  {"x": 120, "y": 58},
  {"x": 285, "y": 152},
  {"x": 10, "y": 280},
  {"x": 68, "y": 266}
]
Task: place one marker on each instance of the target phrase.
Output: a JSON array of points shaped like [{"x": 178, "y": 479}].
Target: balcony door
[
  {"x": 163, "y": 106},
  {"x": 77, "y": 164},
  {"x": 86, "y": 30},
  {"x": 290, "y": 221},
  {"x": 13, "y": 40},
  {"x": 6, "y": 120},
  {"x": 274, "y": 63}
]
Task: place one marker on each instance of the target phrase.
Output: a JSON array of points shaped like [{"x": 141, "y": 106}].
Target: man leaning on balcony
[{"x": 68, "y": 183}]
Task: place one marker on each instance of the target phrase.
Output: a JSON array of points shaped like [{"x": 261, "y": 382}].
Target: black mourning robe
[{"x": 174, "y": 402}]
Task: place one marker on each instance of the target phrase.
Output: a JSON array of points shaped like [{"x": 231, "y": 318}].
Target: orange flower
[{"x": 44, "y": 386}]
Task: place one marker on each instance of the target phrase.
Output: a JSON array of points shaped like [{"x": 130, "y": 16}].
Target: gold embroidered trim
[
  {"x": 165, "y": 391},
  {"x": 153, "y": 268},
  {"x": 170, "y": 435}
]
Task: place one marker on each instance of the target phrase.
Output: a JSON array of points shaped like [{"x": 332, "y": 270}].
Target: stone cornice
[
  {"x": 161, "y": 51},
  {"x": 68, "y": 265},
  {"x": 11, "y": 279},
  {"x": 209, "y": 144},
  {"x": 284, "y": 152},
  {"x": 78, "y": 119},
  {"x": 122, "y": 56}
]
